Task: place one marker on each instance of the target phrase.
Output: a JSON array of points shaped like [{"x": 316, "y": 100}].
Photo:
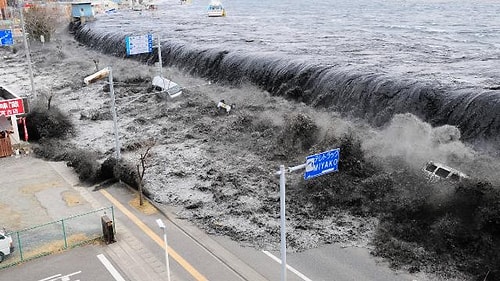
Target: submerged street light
[
  {"x": 164, "y": 228},
  {"x": 103, "y": 73}
]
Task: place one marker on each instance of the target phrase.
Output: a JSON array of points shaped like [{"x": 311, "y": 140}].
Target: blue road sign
[
  {"x": 6, "y": 37},
  {"x": 139, "y": 44},
  {"x": 322, "y": 163}
]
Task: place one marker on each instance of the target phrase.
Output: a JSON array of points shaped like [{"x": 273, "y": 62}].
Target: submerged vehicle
[
  {"x": 440, "y": 171},
  {"x": 168, "y": 86},
  {"x": 215, "y": 9}
]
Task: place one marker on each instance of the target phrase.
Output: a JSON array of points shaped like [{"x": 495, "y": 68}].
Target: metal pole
[
  {"x": 28, "y": 55},
  {"x": 113, "y": 217},
  {"x": 113, "y": 111},
  {"x": 20, "y": 245},
  {"x": 282, "y": 215},
  {"x": 159, "y": 57},
  {"x": 160, "y": 63},
  {"x": 162, "y": 226},
  {"x": 166, "y": 252},
  {"x": 64, "y": 234}
]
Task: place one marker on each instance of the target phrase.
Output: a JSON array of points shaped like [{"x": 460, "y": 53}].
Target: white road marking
[
  {"x": 61, "y": 277},
  {"x": 110, "y": 268},
  {"x": 48, "y": 278},
  {"x": 300, "y": 275}
]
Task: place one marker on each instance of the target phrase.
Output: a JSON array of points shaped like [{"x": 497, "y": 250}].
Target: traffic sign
[
  {"x": 322, "y": 163},
  {"x": 6, "y": 38},
  {"x": 139, "y": 44}
]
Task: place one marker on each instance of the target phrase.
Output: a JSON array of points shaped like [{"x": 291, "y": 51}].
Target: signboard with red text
[{"x": 11, "y": 107}]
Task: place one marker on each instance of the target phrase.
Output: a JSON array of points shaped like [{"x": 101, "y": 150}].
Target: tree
[
  {"x": 141, "y": 168},
  {"x": 41, "y": 21}
]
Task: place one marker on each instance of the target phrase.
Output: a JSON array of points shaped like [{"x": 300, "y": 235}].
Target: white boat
[{"x": 215, "y": 9}]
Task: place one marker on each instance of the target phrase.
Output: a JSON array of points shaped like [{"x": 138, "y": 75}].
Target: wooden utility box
[
  {"x": 108, "y": 230},
  {"x": 5, "y": 147}
]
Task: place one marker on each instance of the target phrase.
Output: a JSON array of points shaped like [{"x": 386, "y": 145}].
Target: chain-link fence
[{"x": 44, "y": 239}]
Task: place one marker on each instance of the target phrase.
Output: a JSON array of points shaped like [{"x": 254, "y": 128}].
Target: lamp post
[
  {"x": 164, "y": 228},
  {"x": 113, "y": 111},
  {"x": 103, "y": 73},
  {"x": 28, "y": 55}
]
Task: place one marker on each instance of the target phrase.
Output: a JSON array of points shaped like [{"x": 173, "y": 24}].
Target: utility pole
[{"x": 28, "y": 54}]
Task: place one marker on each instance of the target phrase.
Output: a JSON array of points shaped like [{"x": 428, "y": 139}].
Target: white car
[
  {"x": 6, "y": 246},
  {"x": 440, "y": 171}
]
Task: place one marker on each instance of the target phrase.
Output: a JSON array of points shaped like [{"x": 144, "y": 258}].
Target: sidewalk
[
  {"x": 221, "y": 253},
  {"x": 218, "y": 252},
  {"x": 127, "y": 253}
]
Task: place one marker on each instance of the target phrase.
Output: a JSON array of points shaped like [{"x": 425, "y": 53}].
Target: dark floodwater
[{"x": 372, "y": 59}]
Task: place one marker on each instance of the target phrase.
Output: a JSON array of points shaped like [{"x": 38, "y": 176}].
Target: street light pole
[
  {"x": 283, "y": 222},
  {"x": 159, "y": 57},
  {"x": 108, "y": 72},
  {"x": 28, "y": 55},
  {"x": 113, "y": 112},
  {"x": 164, "y": 228}
]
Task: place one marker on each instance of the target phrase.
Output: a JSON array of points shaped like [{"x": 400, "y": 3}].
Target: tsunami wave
[{"x": 374, "y": 97}]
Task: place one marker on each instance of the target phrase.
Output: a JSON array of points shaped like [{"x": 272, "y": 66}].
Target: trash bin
[{"x": 108, "y": 230}]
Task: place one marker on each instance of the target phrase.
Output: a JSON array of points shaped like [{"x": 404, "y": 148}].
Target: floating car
[{"x": 440, "y": 171}]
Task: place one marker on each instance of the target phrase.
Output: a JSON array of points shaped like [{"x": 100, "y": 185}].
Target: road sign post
[
  {"x": 282, "y": 222},
  {"x": 6, "y": 38},
  {"x": 139, "y": 44},
  {"x": 316, "y": 165}
]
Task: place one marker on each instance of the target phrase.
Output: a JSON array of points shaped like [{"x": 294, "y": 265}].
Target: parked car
[{"x": 6, "y": 246}]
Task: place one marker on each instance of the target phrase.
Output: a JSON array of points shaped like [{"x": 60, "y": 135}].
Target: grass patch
[{"x": 146, "y": 208}]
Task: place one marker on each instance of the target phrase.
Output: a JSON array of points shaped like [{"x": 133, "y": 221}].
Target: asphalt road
[
  {"x": 82, "y": 263},
  {"x": 44, "y": 191}
]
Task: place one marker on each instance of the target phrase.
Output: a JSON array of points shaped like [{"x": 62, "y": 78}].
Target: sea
[{"x": 436, "y": 59}]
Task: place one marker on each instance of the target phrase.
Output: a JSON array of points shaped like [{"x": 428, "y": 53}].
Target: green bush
[
  {"x": 42, "y": 123},
  {"x": 126, "y": 172},
  {"x": 107, "y": 169},
  {"x": 53, "y": 150},
  {"x": 85, "y": 164}
]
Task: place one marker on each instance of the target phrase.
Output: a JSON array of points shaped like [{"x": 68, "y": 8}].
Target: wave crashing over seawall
[{"x": 373, "y": 97}]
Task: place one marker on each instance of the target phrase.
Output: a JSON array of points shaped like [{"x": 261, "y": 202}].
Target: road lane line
[
  {"x": 51, "y": 277},
  {"x": 278, "y": 260},
  {"x": 61, "y": 277},
  {"x": 172, "y": 253},
  {"x": 110, "y": 268}
]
